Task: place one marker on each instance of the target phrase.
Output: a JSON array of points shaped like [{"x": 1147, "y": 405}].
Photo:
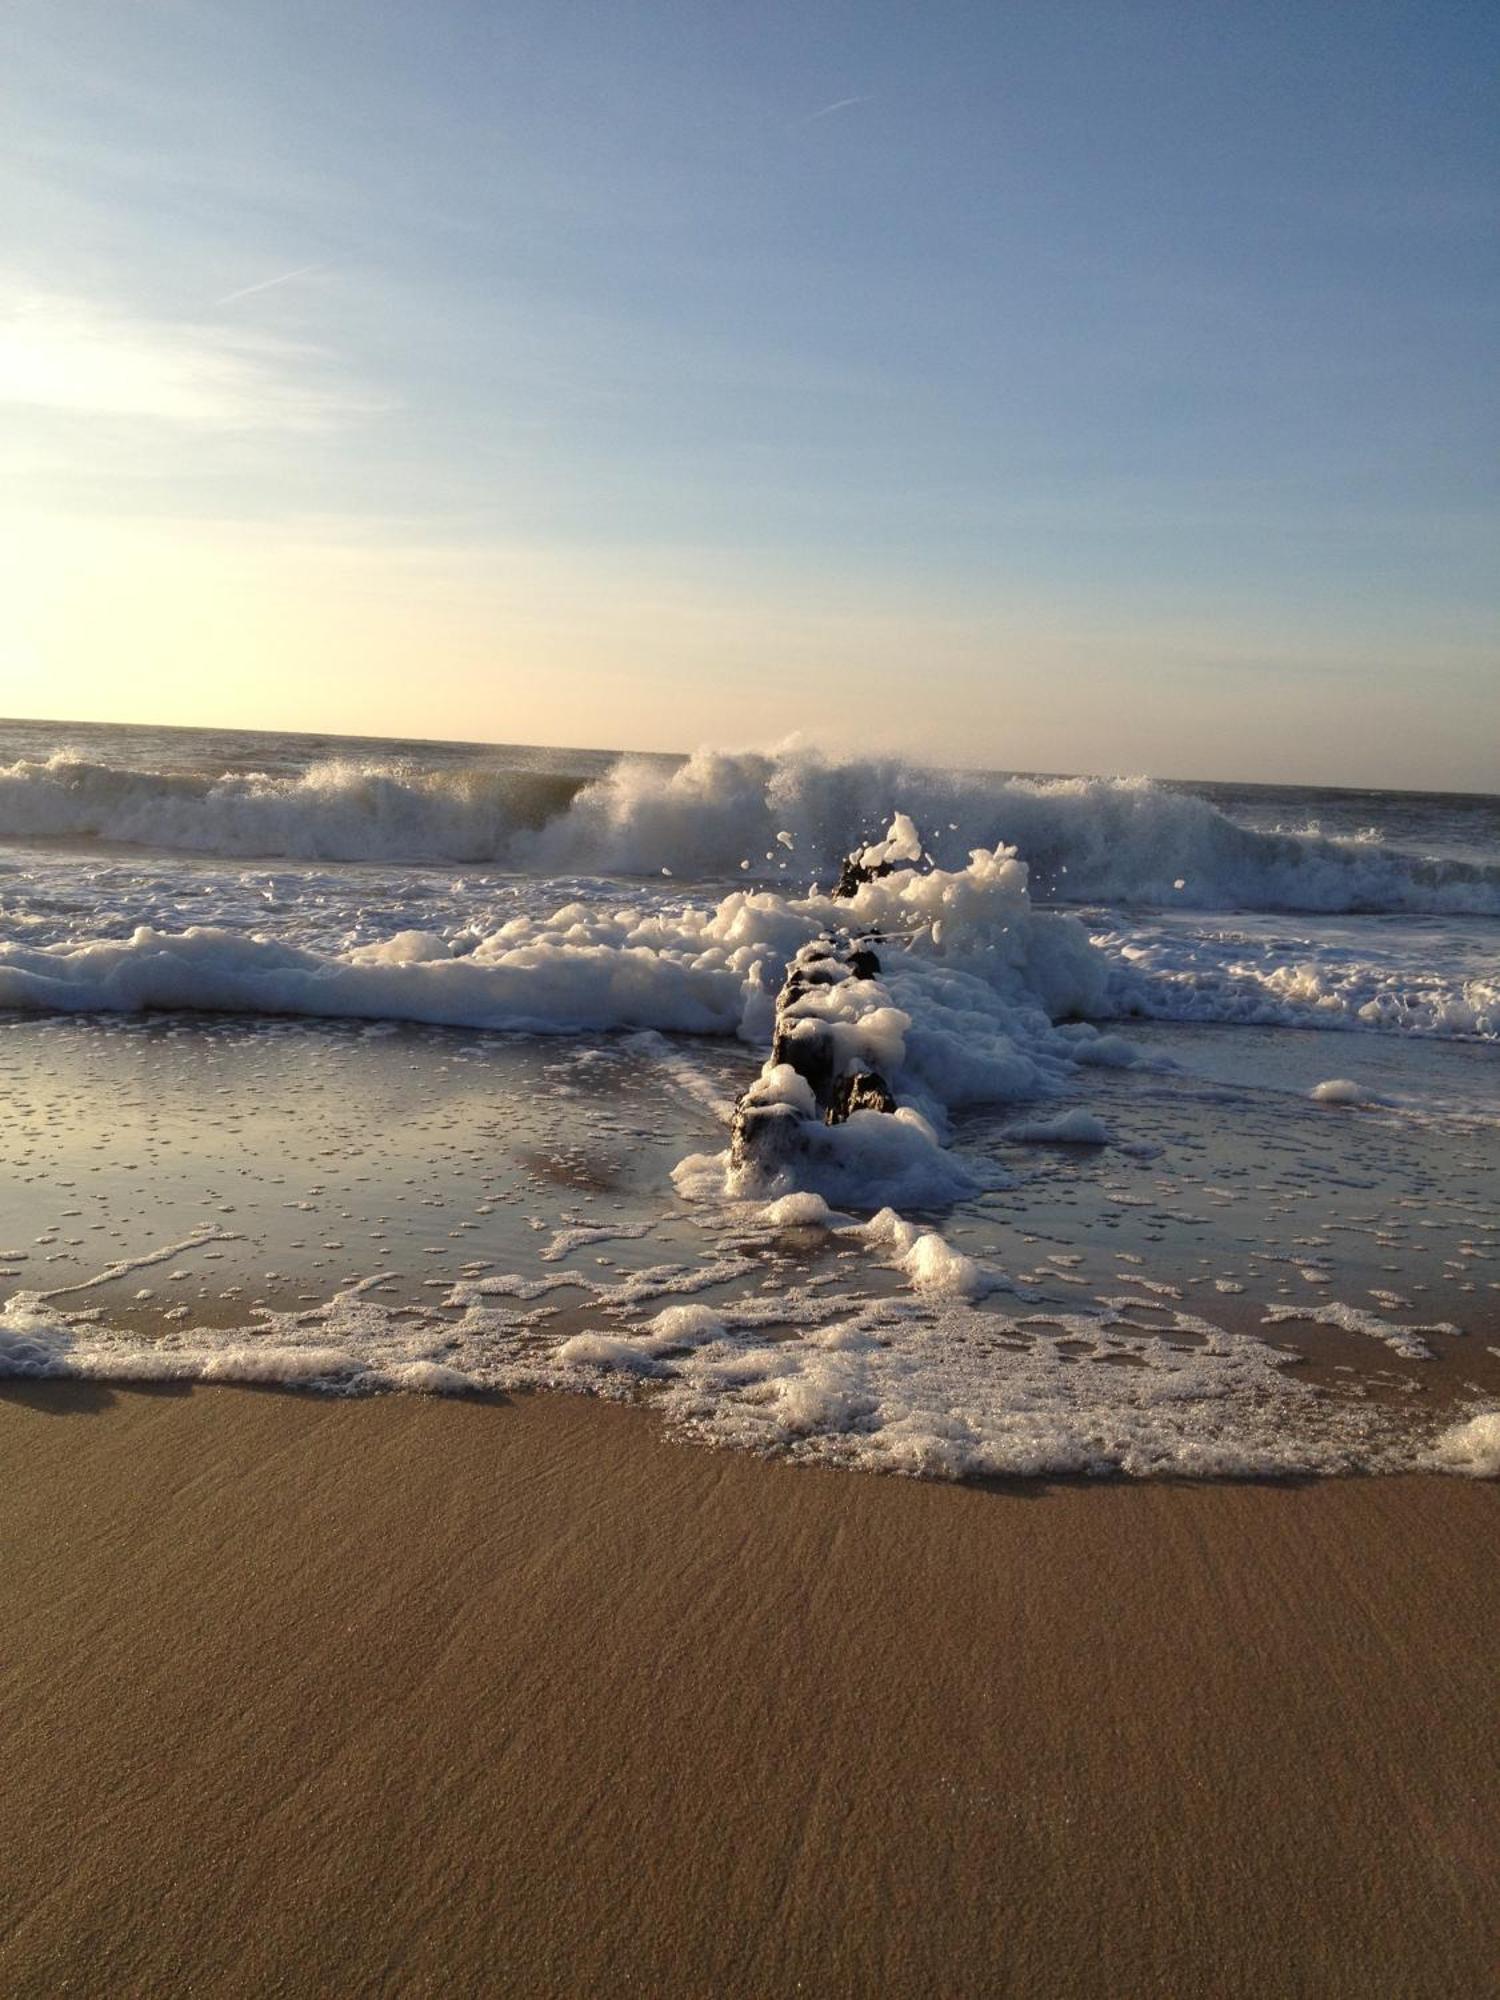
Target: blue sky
[{"x": 1061, "y": 386}]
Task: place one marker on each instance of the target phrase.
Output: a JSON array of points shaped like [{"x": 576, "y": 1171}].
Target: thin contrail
[
  {"x": 285, "y": 278},
  {"x": 839, "y": 104}
]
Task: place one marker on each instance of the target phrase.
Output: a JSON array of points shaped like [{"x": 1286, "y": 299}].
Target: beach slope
[{"x": 410, "y": 1696}]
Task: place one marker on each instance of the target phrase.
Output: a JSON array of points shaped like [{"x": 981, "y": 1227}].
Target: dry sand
[{"x": 414, "y": 1697}]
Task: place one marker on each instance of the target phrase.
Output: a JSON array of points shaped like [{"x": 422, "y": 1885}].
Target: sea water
[{"x": 368, "y": 1065}]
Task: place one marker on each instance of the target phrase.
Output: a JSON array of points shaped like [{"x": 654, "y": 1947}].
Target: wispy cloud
[
  {"x": 77, "y": 356},
  {"x": 269, "y": 284}
]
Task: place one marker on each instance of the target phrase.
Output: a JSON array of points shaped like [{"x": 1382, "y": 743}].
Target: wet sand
[{"x": 418, "y": 1697}]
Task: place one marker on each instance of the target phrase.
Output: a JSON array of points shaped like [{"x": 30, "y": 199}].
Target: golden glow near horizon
[
  {"x": 142, "y": 611},
  {"x": 321, "y": 626}
]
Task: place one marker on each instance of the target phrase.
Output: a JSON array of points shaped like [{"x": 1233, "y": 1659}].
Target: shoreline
[
  {"x": 414, "y": 1696},
  {"x": 429, "y": 1210}
]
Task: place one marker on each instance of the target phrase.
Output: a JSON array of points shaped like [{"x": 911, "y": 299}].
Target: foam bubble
[
  {"x": 1069, "y": 1128},
  {"x": 1471, "y": 1447},
  {"x": 1344, "y": 1090},
  {"x": 797, "y": 1211}
]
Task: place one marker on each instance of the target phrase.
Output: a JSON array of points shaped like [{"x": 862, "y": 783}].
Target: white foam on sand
[
  {"x": 1471, "y": 1447},
  {"x": 949, "y": 1390},
  {"x": 928, "y": 1383},
  {"x": 1407, "y": 1341}
]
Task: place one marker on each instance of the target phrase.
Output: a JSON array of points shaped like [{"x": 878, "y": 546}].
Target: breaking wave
[
  {"x": 786, "y": 816},
  {"x": 334, "y": 811}
]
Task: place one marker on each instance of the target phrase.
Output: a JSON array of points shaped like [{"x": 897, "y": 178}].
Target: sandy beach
[
  {"x": 412, "y": 1696},
  {"x": 749, "y": 1003}
]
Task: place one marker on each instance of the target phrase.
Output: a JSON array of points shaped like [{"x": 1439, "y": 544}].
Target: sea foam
[
  {"x": 932, "y": 1387},
  {"x": 986, "y": 966}
]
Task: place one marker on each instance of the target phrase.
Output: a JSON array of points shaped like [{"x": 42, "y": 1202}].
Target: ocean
[{"x": 368, "y": 1065}]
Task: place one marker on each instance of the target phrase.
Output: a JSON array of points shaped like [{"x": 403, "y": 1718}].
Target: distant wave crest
[{"x": 786, "y": 816}]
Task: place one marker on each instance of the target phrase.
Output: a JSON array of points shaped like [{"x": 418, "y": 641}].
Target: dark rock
[
  {"x": 809, "y": 1047},
  {"x": 855, "y": 872},
  {"x": 768, "y": 1134},
  {"x": 772, "y": 1134},
  {"x": 865, "y": 1090}
]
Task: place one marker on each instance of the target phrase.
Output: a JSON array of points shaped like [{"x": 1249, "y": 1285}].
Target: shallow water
[{"x": 336, "y": 1204}]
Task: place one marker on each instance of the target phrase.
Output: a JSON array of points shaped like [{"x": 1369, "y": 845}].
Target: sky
[{"x": 1055, "y": 386}]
